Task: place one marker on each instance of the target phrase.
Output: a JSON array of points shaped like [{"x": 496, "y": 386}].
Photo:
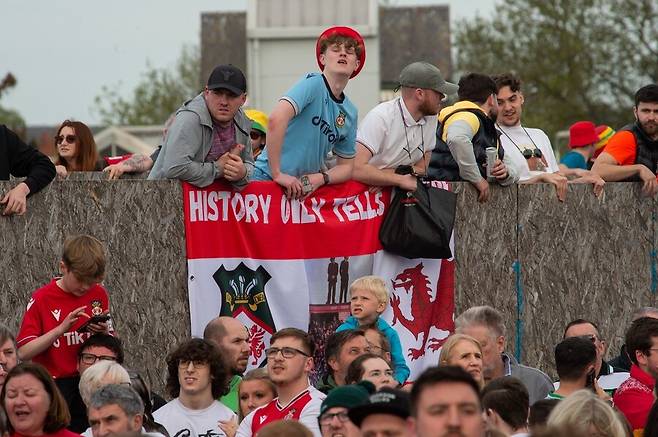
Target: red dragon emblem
[
  {"x": 425, "y": 313},
  {"x": 256, "y": 343}
]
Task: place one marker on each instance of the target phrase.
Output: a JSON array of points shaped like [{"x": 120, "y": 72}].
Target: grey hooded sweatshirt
[{"x": 188, "y": 142}]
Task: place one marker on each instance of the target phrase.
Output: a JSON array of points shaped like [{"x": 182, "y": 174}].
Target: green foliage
[
  {"x": 157, "y": 95},
  {"x": 578, "y": 59},
  {"x": 9, "y": 117}
]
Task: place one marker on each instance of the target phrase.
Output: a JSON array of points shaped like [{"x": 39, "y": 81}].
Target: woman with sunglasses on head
[{"x": 76, "y": 149}]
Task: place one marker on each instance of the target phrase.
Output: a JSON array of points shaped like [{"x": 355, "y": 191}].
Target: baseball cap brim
[
  {"x": 358, "y": 414},
  {"x": 448, "y": 88},
  {"x": 344, "y": 31},
  {"x": 226, "y": 86}
]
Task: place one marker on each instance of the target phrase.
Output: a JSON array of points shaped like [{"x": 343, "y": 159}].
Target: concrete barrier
[{"x": 540, "y": 261}]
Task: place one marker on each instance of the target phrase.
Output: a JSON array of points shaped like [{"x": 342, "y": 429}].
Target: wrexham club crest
[{"x": 243, "y": 298}]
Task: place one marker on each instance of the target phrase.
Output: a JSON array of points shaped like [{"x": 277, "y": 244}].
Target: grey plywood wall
[{"x": 586, "y": 257}]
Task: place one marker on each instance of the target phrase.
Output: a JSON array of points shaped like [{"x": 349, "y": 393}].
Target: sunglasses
[
  {"x": 536, "y": 153},
  {"x": 255, "y": 135},
  {"x": 59, "y": 139}
]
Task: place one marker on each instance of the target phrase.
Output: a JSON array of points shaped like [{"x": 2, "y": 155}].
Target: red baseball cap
[
  {"x": 582, "y": 133},
  {"x": 343, "y": 31}
]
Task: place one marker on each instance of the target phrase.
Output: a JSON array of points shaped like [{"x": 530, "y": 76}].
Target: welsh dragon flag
[{"x": 274, "y": 263}]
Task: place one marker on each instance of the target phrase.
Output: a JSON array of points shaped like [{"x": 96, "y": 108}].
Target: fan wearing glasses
[
  {"x": 76, "y": 149},
  {"x": 289, "y": 362},
  {"x": 529, "y": 148},
  {"x": 196, "y": 377},
  {"x": 97, "y": 348}
]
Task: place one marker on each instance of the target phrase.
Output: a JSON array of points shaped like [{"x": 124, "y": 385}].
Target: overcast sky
[{"x": 63, "y": 51}]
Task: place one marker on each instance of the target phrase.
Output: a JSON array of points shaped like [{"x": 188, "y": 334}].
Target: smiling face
[
  {"x": 26, "y": 404},
  {"x": 510, "y": 104},
  {"x": 254, "y": 393},
  {"x": 68, "y": 150}
]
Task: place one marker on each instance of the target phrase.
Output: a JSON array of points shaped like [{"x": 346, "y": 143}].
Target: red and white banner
[{"x": 274, "y": 263}]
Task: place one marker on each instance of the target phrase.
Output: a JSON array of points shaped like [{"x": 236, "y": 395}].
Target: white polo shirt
[{"x": 392, "y": 138}]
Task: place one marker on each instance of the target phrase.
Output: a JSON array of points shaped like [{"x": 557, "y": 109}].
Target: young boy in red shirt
[{"x": 49, "y": 330}]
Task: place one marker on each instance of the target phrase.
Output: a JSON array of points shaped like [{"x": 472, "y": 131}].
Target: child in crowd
[
  {"x": 49, "y": 331},
  {"x": 368, "y": 299}
]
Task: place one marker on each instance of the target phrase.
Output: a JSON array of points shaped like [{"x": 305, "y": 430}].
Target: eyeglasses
[
  {"x": 530, "y": 153},
  {"x": 197, "y": 364},
  {"x": 327, "y": 418},
  {"x": 287, "y": 352},
  {"x": 91, "y": 358},
  {"x": 255, "y": 135},
  {"x": 59, "y": 139}
]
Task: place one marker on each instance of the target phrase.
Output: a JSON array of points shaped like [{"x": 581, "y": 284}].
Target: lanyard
[{"x": 406, "y": 136}]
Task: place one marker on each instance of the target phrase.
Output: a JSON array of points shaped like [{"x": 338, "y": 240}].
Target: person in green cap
[
  {"x": 333, "y": 417},
  {"x": 258, "y": 132}
]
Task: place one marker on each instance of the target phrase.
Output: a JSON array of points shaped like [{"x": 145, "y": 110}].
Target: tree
[
  {"x": 578, "y": 59},
  {"x": 9, "y": 117},
  {"x": 157, "y": 95}
]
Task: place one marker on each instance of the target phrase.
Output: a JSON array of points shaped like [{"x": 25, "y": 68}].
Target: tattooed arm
[{"x": 134, "y": 164}]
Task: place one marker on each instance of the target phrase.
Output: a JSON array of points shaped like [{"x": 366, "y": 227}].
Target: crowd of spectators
[{"x": 63, "y": 375}]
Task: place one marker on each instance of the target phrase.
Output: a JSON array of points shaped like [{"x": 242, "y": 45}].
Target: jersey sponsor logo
[
  {"x": 56, "y": 313},
  {"x": 262, "y": 419},
  {"x": 326, "y": 129},
  {"x": 30, "y": 303}
]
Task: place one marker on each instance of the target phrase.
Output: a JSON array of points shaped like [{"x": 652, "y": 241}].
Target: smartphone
[{"x": 95, "y": 319}]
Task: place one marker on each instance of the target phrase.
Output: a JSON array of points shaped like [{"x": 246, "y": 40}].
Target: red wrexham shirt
[
  {"x": 305, "y": 408},
  {"x": 46, "y": 310}
]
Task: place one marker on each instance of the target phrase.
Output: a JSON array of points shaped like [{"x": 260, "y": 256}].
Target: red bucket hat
[
  {"x": 343, "y": 31},
  {"x": 582, "y": 133}
]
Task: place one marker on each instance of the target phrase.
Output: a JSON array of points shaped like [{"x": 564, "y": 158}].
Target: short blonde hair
[
  {"x": 374, "y": 284},
  {"x": 582, "y": 410},
  {"x": 450, "y": 344},
  {"x": 99, "y": 375}
]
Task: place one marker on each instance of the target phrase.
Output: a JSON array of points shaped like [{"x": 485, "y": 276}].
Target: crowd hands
[
  {"x": 312, "y": 139},
  {"x": 52, "y": 386}
]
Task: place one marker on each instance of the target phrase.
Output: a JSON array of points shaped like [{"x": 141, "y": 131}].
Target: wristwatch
[
  {"x": 325, "y": 176},
  {"x": 307, "y": 187}
]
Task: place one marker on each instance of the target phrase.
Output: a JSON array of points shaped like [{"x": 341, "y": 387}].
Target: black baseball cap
[
  {"x": 386, "y": 401},
  {"x": 228, "y": 77}
]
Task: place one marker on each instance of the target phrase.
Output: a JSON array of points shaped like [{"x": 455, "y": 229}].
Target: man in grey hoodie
[{"x": 209, "y": 137}]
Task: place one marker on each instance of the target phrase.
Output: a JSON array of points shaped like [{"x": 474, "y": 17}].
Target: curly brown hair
[{"x": 198, "y": 349}]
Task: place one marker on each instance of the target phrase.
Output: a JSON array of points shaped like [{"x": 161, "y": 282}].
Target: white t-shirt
[
  {"x": 180, "y": 421},
  {"x": 385, "y": 133},
  {"x": 524, "y": 141}
]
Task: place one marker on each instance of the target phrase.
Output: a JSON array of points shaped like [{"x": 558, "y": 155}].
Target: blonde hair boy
[{"x": 368, "y": 299}]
